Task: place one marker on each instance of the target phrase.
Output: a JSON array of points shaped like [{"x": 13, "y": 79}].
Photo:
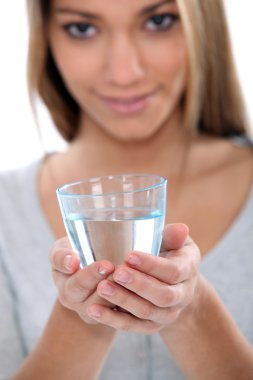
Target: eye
[
  {"x": 80, "y": 30},
  {"x": 161, "y": 22}
]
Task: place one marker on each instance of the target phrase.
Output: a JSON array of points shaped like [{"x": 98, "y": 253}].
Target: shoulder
[
  {"x": 12, "y": 176},
  {"x": 225, "y": 166},
  {"x": 240, "y": 154},
  {"x": 242, "y": 141},
  {"x": 16, "y": 183},
  {"x": 9, "y": 183},
  {"x": 227, "y": 152},
  {"x": 17, "y": 199}
]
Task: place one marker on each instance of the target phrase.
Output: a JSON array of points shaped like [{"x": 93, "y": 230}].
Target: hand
[
  {"x": 77, "y": 287},
  {"x": 150, "y": 291}
]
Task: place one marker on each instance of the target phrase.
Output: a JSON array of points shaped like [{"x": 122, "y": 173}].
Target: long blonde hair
[{"x": 212, "y": 103}]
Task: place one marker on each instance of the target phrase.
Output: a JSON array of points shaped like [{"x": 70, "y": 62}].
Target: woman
[{"x": 146, "y": 86}]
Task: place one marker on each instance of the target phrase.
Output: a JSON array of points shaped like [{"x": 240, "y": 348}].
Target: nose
[{"x": 124, "y": 66}]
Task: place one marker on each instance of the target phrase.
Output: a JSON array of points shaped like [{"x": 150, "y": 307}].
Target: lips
[{"x": 127, "y": 105}]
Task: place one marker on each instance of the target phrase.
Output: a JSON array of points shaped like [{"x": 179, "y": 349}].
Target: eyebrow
[
  {"x": 88, "y": 15},
  {"x": 93, "y": 16},
  {"x": 153, "y": 7}
]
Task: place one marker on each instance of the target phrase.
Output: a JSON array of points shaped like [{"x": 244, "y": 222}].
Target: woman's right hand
[{"x": 77, "y": 287}]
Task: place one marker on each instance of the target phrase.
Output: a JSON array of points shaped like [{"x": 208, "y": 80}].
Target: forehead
[{"x": 103, "y": 7}]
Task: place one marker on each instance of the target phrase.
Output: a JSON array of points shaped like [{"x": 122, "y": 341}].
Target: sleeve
[{"x": 12, "y": 352}]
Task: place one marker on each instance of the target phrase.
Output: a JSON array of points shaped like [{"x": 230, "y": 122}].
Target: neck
[
  {"x": 106, "y": 155},
  {"x": 101, "y": 154}
]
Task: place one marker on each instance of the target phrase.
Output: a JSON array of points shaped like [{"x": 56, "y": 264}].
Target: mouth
[{"x": 129, "y": 105}]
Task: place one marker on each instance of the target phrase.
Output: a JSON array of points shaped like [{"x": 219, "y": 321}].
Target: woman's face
[{"x": 123, "y": 61}]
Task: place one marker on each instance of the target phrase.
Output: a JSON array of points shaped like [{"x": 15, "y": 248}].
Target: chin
[
  {"x": 133, "y": 137},
  {"x": 130, "y": 131}
]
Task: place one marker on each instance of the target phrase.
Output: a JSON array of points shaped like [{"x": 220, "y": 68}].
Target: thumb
[{"x": 174, "y": 236}]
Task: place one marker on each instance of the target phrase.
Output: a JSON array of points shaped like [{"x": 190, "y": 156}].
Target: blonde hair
[
  {"x": 212, "y": 103},
  {"x": 43, "y": 76},
  {"x": 213, "y": 100}
]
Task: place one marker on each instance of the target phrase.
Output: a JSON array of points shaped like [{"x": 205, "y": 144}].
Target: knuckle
[
  {"x": 147, "y": 312},
  {"x": 85, "y": 318},
  {"x": 78, "y": 284},
  {"x": 73, "y": 292},
  {"x": 78, "y": 288},
  {"x": 166, "y": 298},
  {"x": 176, "y": 274}
]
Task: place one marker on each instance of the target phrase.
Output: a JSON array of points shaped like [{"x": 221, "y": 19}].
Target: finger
[
  {"x": 63, "y": 258},
  {"x": 147, "y": 287},
  {"x": 82, "y": 307},
  {"x": 155, "y": 307},
  {"x": 121, "y": 320},
  {"x": 79, "y": 286},
  {"x": 176, "y": 267},
  {"x": 151, "y": 303},
  {"x": 174, "y": 236}
]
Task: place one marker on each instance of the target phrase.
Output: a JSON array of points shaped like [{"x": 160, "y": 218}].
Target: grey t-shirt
[{"x": 27, "y": 293}]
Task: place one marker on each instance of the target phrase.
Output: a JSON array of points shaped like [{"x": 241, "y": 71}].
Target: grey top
[{"x": 27, "y": 292}]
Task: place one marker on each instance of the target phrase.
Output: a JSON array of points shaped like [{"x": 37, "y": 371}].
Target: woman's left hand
[{"x": 150, "y": 292}]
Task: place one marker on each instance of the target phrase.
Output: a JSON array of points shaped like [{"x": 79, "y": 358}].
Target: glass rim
[{"x": 60, "y": 190}]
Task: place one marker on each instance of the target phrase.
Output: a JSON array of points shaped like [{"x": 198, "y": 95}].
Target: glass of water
[{"x": 108, "y": 217}]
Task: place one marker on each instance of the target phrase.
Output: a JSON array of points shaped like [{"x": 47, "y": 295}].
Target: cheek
[
  {"x": 75, "y": 71},
  {"x": 170, "y": 61},
  {"x": 76, "y": 67}
]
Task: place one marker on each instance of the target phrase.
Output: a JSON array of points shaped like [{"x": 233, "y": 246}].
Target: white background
[{"x": 19, "y": 138}]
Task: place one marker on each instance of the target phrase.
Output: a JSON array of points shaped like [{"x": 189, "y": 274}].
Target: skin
[
  {"x": 151, "y": 290},
  {"x": 138, "y": 58},
  {"x": 66, "y": 332},
  {"x": 68, "y": 336},
  {"x": 151, "y": 140},
  {"x": 120, "y": 53},
  {"x": 108, "y": 74},
  {"x": 122, "y": 57}
]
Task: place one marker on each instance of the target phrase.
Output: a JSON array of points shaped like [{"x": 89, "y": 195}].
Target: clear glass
[{"x": 108, "y": 217}]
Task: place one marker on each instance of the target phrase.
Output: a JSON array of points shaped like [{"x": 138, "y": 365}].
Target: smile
[{"x": 129, "y": 105}]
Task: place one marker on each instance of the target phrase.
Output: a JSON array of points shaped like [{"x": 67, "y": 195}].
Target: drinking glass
[{"x": 108, "y": 217}]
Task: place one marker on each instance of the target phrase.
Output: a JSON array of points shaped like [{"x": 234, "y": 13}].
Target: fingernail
[
  {"x": 95, "y": 313},
  {"x": 123, "y": 276},
  {"x": 133, "y": 260},
  {"x": 107, "y": 290},
  {"x": 67, "y": 262},
  {"x": 102, "y": 271}
]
